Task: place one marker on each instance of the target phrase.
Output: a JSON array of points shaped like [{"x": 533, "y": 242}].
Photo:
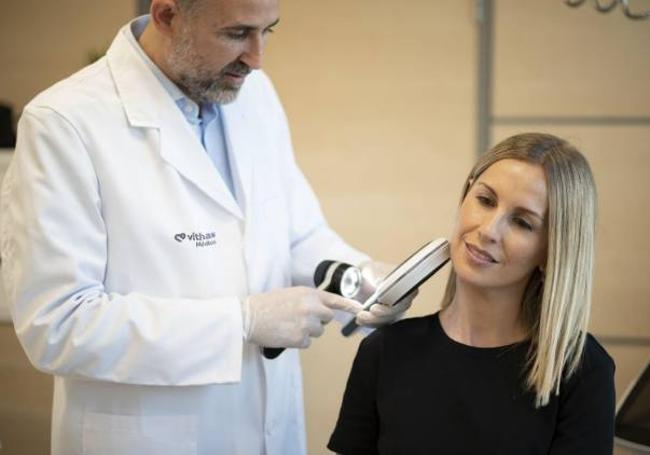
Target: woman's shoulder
[
  {"x": 595, "y": 357},
  {"x": 403, "y": 332},
  {"x": 595, "y": 369}
]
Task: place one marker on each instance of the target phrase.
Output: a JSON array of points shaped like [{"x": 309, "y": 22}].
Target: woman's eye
[
  {"x": 485, "y": 201},
  {"x": 523, "y": 224}
]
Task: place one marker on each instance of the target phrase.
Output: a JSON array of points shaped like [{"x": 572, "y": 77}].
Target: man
[{"x": 156, "y": 233}]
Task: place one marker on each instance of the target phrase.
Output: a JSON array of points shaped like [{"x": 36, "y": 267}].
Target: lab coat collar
[
  {"x": 240, "y": 142},
  {"x": 148, "y": 105}
]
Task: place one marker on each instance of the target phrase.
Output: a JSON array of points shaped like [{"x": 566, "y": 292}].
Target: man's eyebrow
[
  {"x": 520, "y": 208},
  {"x": 276, "y": 22},
  {"x": 248, "y": 27}
]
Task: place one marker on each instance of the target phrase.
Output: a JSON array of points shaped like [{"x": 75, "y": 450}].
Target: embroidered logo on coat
[{"x": 200, "y": 239}]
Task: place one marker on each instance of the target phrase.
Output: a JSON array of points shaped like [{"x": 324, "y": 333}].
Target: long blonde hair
[{"x": 556, "y": 303}]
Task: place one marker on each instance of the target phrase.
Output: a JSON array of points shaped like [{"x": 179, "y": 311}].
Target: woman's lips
[{"x": 480, "y": 255}]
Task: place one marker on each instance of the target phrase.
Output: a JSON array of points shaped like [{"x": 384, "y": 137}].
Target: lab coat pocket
[{"x": 111, "y": 434}]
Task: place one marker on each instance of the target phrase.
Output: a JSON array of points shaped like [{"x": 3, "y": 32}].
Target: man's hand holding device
[{"x": 386, "y": 292}]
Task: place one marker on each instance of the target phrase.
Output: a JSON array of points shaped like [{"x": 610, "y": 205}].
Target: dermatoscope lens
[{"x": 350, "y": 282}]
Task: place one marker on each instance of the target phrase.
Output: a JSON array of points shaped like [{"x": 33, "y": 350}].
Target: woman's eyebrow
[
  {"x": 519, "y": 208},
  {"x": 530, "y": 212},
  {"x": 488, "y": 187}
]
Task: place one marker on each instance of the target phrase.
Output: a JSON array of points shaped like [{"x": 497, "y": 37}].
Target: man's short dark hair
[{"x": 189, "y": 6}]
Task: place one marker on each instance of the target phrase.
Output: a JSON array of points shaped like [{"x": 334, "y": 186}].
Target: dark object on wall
[
  {"x": 142, "y": 6},
  {"x": 606, "y": 8},
  {"x": 632, "y": 428},
  {"x": 7, "y": 135}
]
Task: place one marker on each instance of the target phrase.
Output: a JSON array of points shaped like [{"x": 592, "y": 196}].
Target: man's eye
[{"x": 238, "y": 35}]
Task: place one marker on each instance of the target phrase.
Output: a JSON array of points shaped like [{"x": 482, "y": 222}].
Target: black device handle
[
  {"x": 349, "y": 328},
  {"x": 271, "y": 353},
  {"x": 333, "y": 286}
]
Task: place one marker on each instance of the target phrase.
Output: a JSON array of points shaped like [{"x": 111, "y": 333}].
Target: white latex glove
[
  {"x": 379, "y": 314},
  {"x": 290, "y": 317}
]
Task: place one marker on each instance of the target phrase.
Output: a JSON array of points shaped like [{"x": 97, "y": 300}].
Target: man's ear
[{"x": 162, "y": 13}]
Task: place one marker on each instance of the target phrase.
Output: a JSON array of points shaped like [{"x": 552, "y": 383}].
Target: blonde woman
[{"x": 507, "y": 365}]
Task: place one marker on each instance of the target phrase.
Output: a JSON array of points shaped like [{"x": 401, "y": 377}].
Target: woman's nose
[{"x": 491, "y": 227}]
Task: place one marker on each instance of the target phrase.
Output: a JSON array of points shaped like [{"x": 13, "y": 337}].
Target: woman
[{"x": 506, "y": 366}]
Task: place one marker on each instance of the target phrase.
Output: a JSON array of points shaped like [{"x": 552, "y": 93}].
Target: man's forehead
[{"x": 258, "y": 13}]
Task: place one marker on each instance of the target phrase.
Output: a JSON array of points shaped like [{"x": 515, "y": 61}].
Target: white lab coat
[{"x": 125, "y": 259}]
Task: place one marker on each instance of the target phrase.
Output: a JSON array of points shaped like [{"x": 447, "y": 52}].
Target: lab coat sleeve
[
  {"x": 312, "y": 239},
  {"x": 54, "y": 252}
]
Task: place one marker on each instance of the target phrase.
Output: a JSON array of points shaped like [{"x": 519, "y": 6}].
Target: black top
[{"x": 414, "y": 390}]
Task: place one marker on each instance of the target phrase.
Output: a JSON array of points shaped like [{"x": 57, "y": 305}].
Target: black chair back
[
  {"x": 7, "y": 135},
  {"x": 632, "y": 425}
]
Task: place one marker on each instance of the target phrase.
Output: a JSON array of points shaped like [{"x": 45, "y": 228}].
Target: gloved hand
[
  {"x": 290, "y": 317},
  {"x": 372, "y": 274}
]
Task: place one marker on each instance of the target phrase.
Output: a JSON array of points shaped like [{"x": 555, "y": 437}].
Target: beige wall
[
  {"x": 44, "y": 41},
  {"x": 40, "y": 43},
  {"x": 591, "y": 65},
  {"x": 383, "y": 94},
  {"x": 381, "y": 100},
  {"x": 380, "y": 96}
]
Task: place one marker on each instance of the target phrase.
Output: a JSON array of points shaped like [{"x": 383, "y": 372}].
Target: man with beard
[{"x": 156, "y": 234}]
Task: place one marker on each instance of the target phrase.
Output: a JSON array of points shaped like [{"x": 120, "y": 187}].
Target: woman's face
[{"x": 500, "y": 235}]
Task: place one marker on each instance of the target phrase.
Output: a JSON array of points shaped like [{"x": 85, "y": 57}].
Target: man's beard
[{"x": 200, "y": 83}]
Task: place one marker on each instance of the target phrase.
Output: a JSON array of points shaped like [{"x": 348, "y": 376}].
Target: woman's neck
[{"x": 481, "y": 318}]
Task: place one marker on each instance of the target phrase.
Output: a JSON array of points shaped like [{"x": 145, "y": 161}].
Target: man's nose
[{"x": 254, "y": 51}]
